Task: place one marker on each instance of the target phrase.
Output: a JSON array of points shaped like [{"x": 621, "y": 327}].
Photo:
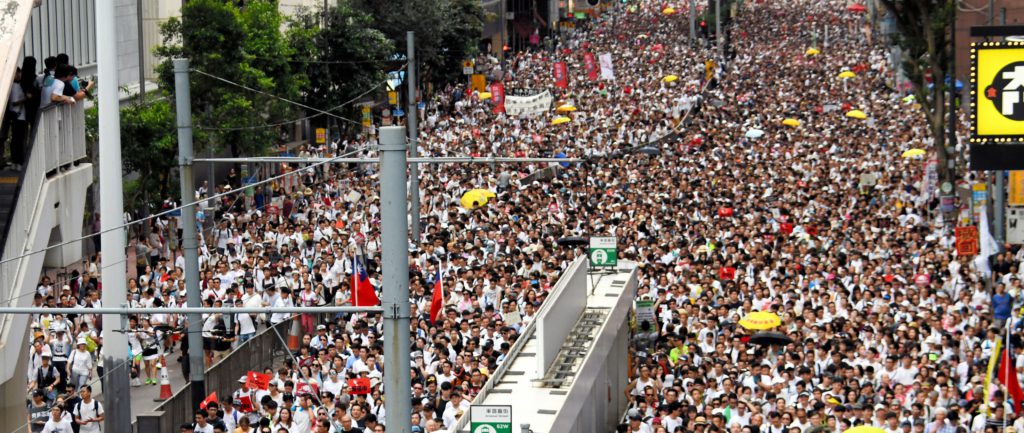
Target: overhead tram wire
[
  {"x": 298, "y": 104},
  {"x": 287, "y": 122}
]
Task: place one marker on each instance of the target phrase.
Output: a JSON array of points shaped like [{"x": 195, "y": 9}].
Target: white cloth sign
[
  {"x": 607, "y": 69},
  {"x": 528, "y": 105}
]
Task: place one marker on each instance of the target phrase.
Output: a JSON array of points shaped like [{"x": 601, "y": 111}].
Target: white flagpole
[{"x": 1009, "y": 360}]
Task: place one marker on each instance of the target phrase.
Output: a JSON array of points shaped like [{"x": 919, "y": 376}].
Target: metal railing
[
  {"x": 263, "y": 350},
  {"x": 58, "y": 140}
]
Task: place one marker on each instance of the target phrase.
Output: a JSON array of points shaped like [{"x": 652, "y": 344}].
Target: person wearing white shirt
[
  {"x": 57, "y": 423},
  {"x": 455, "y": 409},
  {"x": 88, "y": 413}
]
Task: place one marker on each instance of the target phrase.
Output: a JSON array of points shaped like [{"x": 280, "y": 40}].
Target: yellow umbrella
[
  {"x": 669, "y": 78},
  {"x": 864, "y": 429},
  {"x": 484, "y": 95},
  {"x": 760, "y": 320},
  {"x": 484, "y": 192},
  {"x": 856, "y": 114},
  {"x": 566, "y": 108},
  {"x": 812, "y": 52},
  {"x": 791, "y": 122},
  {"x": 847, "y": 74},
  {"x": 668, "y": 11},
  {"x": 473, "y": 199},
  {"x": 561, "y": 120},
  {"x": 913, "y": 153}
]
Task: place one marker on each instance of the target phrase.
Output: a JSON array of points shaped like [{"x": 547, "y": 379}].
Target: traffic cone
[
  {"x": 165, "y": 384},
  {"x": 295, "y": 335}
]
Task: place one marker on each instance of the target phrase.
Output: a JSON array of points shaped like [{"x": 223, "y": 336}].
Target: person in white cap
[{"x": 80, "y": 364}]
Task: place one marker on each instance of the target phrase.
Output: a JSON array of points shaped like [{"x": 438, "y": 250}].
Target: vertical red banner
[
  {"x": 590, "y": 63},
  {"x": 498, "y": 96},
  {"x": 561, "y": 75}
]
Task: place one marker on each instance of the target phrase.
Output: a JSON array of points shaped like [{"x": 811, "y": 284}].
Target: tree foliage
[
  {"x": 446, "y": 32},
  {"x": 342, "y": 59},
  {"x": 927, "y": 47},
  {"x": 149, "y": 147},
  {"x": 242, "y": 44}
]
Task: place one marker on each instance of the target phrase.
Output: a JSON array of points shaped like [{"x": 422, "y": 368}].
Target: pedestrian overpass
[{"x": 568, "y": 369}]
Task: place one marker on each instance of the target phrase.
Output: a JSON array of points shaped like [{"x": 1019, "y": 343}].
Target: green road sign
[
  {"x": 490, "y": 419},
  {"x": 604, "y": 251}
]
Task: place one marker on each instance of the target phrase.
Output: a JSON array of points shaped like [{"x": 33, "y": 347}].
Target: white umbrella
[{"x": 754, "y": 133}]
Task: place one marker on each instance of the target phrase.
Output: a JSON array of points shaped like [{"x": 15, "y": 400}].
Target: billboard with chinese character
[{"x": 997, "y": 92}]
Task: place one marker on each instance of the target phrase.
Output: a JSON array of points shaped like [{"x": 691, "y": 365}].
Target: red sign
[
  {"x": 967, "y": 241},
  {"x": 359, "y": 386},
  {"x": 273, "y": 210},
  {"x": 498, "y": 96},
  {"x": 727, "y": 273},
  {"x": 561, "y": 75},
  {"x": 590, "y": 64},
  {"x": 305, "y": 388},
  {"x": 256, "y": 380},
  {"x": 725, "y": 212},
  {"x": 786, "y": 228}
]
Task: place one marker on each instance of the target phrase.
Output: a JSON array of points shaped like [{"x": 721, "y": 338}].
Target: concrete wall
[
  {"x": 596, "y": 399},
  {"x": 560, "y": 312},
  {"x": 13, "y": 357}
]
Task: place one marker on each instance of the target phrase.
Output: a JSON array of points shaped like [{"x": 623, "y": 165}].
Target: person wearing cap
[
  {"x": 636, "y": 423},
  {"x": 46, "y": 379},
  {"x": 38, "y": 410},
  {"x": 244, "y": 398}
]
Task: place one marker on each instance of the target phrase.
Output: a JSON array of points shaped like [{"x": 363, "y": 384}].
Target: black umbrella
[
  {"x": 648, "y": 150},
  {"x": 770, "y": 339},
  {"x": 573, "y": 241}
]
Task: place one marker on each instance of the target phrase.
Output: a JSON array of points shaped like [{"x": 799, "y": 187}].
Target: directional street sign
[
  {"x": 490, "y": 419},
  {"x": 604, "y": 251}
]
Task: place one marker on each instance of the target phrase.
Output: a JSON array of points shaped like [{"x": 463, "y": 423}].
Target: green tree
[
  {"x": 342, "y": 59},
  {"x": 925, "y": 38},
  {"x": 447, "y": 32},
  {"x": 241, "y": 44},
  {"x": 149, "y": 147}
]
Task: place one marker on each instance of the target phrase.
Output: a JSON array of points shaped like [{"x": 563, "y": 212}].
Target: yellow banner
[
  {"x": 1016, "y": 197},
  {"x": 478, "y": 82},
  {"x": 988, "y": 375}
]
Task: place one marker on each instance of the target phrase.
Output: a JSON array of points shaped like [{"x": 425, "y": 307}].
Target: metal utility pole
[
  {"x": 718, "y": 29},
  {"x": 395, "y": 270},
  {"x": 190, "y": 237},
  {"x": 693, "y": 21},
  {"x": 413, "y": 123},
  {"x": 115, "y": 345},
  {"x": 142, "y": 52}
]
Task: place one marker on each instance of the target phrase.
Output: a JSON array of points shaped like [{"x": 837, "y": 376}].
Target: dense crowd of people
[{"x": 822, "y": 223}]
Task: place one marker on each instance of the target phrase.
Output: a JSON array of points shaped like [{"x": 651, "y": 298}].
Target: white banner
[
  {"x": 607, "y": 69},
  {"x": 528, "y": 105}
]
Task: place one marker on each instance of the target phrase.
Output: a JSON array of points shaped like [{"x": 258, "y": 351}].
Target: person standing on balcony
[{"x": 14, "y": 122}]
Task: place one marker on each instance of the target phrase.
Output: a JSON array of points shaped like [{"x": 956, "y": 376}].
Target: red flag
[
  {"x": 437, "y": 299},
  {"x": 498, "y": 96},
  {"x": 212, "y": 398},
  {"x": 363, "y": 294},
  {"x": 727, "y": 273},
  {"x": 561, "y": 75},
  {"x": 725, "y": 211},
  {"x": 1008, "y": 376},
  {"x": 590, "y": 64},
  {"x": 786, "y": 228},
  {"x": 256, "y": 380}
]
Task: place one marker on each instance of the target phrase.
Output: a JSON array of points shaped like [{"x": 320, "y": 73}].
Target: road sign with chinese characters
[
  {"x": 490, "y": 419},
  {"x": 604, "y": 251}
]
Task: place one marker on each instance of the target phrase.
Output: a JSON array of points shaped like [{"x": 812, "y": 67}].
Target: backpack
[{"x": 78, "y": 408}]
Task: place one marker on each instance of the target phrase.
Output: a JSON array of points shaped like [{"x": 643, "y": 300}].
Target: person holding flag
[
  {"x": 363, "y": 294},
  {"x": 437, "y": 297}
]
